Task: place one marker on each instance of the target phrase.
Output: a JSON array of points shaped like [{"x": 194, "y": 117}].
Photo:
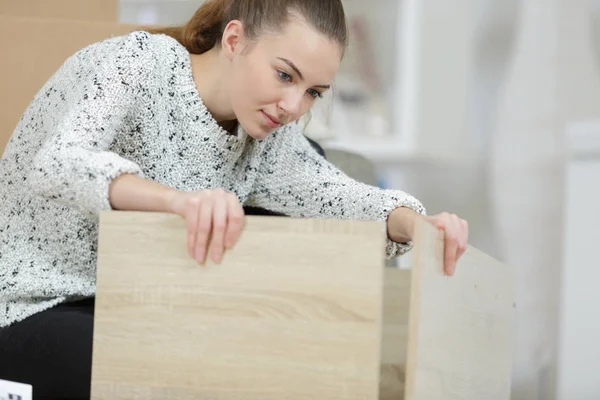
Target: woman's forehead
[{"x": 306, "y": 48}]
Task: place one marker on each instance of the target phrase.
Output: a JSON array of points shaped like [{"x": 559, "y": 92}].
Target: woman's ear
[{"x": 232, "y": 37}]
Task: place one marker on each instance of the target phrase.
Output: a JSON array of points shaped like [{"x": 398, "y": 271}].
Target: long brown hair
[{"x": 205, "y": 29}]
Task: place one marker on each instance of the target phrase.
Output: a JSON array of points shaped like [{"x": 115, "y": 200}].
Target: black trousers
[{"x": 52, "y": 351}]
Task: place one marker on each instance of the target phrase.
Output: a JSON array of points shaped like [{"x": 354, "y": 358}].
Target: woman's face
[{"x": 278, "y": 78}]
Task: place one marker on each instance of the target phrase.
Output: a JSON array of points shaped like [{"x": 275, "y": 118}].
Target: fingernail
[{"x": 200, "y": 256}]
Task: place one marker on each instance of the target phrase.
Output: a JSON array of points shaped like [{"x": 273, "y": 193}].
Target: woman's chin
[
  {"x": 257, "y": 131},
  {"x": 259, "y": 135}
]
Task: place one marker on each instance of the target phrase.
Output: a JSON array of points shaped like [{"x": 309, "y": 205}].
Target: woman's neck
[{"x": 207, "y": 70}]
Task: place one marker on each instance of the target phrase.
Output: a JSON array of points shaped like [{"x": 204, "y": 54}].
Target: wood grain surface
[
  {"x": 394, "y": 340},
  {"x": 461, "y": 328},
  {"x": 293, "y": 312}
]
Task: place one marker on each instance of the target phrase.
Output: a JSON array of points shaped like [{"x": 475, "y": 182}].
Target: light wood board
[
  {"x": 461, "y": 333},
  {"x": 293, "y": 312},
  {"x": 394, "y": 340}
]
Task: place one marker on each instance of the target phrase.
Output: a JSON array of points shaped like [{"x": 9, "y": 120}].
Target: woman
[{"x": 198, "y": 121}]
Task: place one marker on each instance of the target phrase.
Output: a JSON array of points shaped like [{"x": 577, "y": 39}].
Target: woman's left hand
[
  {"x": 456, "y": 234},
  {"x": 401, "y": 223}
]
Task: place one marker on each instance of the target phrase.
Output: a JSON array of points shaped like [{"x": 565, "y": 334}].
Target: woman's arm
[
  {"x": 75, "y": 165},
  {"x": 295, "y": 180},
  {"x": 401, "y": 223},
  {"x": 133, "y": 193}
]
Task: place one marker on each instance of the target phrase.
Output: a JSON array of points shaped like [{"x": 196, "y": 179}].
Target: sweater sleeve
[
  {"x": 295, "y": 180},
  {"x": 101, "y": 86}
]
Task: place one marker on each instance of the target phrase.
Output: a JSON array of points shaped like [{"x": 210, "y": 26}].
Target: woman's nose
[{"x": 291, "y": 103}]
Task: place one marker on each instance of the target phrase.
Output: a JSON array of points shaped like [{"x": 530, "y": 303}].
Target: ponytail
[{"x": 203, "y": 31}]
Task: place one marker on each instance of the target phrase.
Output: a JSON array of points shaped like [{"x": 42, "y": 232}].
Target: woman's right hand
[{"x": 214, "y": 218}]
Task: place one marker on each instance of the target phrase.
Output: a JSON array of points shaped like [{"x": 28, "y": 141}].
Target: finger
[
  {"x": 464, "y": 237},
  {"x": 192, "y": 225},
  {"x": 451, "y": 244},
  {"x": 451, "y": 248},
  {"x": 235, "y": 222},
  {"x": 204, "y": 227},
  {"x": 219, "y": 226},
  {"x": 435, "y": 220},
  {"x": 460, "y": 251}
]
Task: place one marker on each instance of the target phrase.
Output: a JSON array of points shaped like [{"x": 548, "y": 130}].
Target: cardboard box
[
  {"x": 35, "y": 53},
  {"x": 92, "y": 10},
  {"x": 36, "y": 37}
]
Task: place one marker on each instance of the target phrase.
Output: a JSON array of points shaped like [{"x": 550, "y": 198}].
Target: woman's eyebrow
[{"x": 293, "y": 66}]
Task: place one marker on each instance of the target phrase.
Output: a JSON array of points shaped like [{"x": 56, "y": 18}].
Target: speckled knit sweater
[{"x": 129, "y": 104}]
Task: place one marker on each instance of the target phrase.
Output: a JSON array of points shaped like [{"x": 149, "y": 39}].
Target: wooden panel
[
  {"x": 293, "y": 312},
  {"x": 461, "y": 331},
  {"x": 91, "y": 10},
  {"x": 33, "y": 49},
  {"x": 396, "y": 297}
]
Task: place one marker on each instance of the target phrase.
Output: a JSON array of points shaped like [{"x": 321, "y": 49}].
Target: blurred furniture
[
  {"x": 354, "y": 165},
  {"x": 319, "y": 317},
  {"x": 579, "y": 329}
]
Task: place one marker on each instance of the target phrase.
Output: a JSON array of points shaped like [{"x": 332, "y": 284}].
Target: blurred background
[{"x": 489, "y": 109}]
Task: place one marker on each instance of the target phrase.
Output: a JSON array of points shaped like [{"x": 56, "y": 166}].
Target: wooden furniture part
[
  {"x": 299, "y": 309},
  {"x": 294, "y": 312},
  {"x": 394, "y": 333},
  {"x": 461, "y": 328}
]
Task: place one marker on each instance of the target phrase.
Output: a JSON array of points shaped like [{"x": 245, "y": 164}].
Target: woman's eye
[
  {"x": 315, "y": 93},
  {"x": 284, "y": 76}
]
